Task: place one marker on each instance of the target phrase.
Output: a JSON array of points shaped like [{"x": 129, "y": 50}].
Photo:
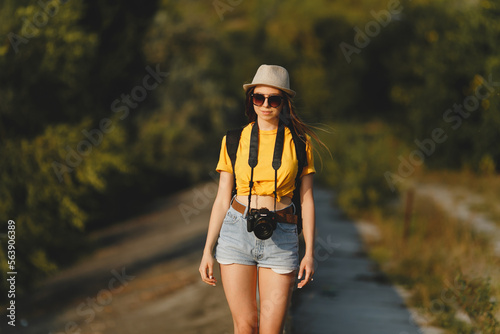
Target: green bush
[
  {"x": 362, "y": 153},
  {"x": 51, "y": 211}
]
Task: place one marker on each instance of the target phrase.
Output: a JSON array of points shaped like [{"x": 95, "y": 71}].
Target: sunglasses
[{"x": 273, "y": 100}]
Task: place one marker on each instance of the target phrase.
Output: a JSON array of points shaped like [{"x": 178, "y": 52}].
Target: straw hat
[{"x": 271, "y": 75}]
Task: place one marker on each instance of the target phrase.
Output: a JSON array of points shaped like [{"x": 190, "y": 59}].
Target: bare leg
[
  {"x": 275, "y": 291},
  {"x": 240, "y": 286}
]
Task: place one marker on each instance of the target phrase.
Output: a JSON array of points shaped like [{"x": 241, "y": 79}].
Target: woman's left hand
[{"x": 307, "y": 267}]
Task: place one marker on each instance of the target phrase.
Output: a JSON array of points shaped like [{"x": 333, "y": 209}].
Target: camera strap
[{"x": 254, "y": 153}]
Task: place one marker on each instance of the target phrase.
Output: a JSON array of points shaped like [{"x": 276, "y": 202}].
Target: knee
[{"x": 247, "y": 325}]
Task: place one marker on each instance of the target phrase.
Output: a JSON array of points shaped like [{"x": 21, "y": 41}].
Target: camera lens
[{"x": 263, "y": 230}]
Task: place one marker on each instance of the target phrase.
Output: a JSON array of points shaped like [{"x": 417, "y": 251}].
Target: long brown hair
[{"x": 288, "y": 115}]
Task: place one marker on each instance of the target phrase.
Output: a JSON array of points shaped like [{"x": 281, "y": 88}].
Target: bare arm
[
  {"x": 308, "y": 228},
  {"x": 219, "y": 209}
]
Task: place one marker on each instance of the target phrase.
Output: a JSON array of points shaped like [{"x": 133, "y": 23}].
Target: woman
[{"x": 246, "y": 258}]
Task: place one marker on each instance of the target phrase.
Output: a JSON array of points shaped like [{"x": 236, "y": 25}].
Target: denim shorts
[{"x": 236, "y": 245}]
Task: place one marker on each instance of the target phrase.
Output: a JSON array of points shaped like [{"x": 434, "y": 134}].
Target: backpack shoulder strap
[
  {"x": 232, "y": 143},
  {"x": 300, "y": 150}
]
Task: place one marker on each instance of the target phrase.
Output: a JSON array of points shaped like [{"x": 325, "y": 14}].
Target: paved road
[
  {"x": 348, "y": 295},
  {"x": 144, "y": 279}
]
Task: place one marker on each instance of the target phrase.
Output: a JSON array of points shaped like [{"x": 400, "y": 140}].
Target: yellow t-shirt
[{"x": 263, "y": 175}]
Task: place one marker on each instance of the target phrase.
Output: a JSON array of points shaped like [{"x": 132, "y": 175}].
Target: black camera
[{"x": 262, "y": 222}]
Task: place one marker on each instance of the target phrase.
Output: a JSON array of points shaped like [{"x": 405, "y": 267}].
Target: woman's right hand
[{"x": 207, "y": 269}]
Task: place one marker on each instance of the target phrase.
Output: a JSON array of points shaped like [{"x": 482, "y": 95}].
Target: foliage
[
  {"x": 478, "y": 301},
  {"x": 444, "y": 57},
  {"x": 50, "y": 215},
  {"x": 45, "y": 63},
  {"x": 362, "y": 153},
  {"x": 55, "y": 180}
]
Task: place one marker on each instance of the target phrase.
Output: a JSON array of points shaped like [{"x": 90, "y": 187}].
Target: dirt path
[
  {"x": 457, "y": 202},
  {"x": 144, "y": 279}
]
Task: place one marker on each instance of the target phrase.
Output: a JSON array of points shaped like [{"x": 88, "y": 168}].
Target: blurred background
[{"x": 105, "y": 106}]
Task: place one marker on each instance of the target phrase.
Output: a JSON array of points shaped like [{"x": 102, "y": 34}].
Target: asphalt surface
[
  {"x": 348, "y": 294},
  {"x": 144, "y": 278}
]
